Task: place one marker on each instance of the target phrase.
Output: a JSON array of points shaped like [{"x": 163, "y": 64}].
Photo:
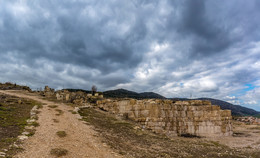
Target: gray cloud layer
[{"x": 176, "y": 48}]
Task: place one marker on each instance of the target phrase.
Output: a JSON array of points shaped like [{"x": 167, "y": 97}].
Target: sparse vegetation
[
  {"x": 31, "y": 132},
  {"x": 135, "y": 142},
  {"x": 59, "y": 152},
  {"x": 55, "y": 120},
  {"x": 53, "y": 106},
  {"x": 13, "y": 118},
  {"x": 35, "y": 124},
  {"x": 60, "y": 112},
  {"x": 73, "y": 112},
  {"x": 40, "y": 106},
  {"x": 13, "y": 86},
  {"x": 61, "y": 134}
]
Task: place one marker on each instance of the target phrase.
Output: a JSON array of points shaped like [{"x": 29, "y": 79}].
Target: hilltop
[
  {"x": 13, "y": 86},
  {"x": 236, "y": 110},
  {"x": 123, "y": 93}
]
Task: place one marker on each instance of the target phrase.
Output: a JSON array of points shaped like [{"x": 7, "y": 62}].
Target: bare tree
[{"x": 94, "y": 89}]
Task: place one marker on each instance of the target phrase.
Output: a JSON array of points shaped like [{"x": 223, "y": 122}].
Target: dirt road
[{"x": 81, "y": 140}]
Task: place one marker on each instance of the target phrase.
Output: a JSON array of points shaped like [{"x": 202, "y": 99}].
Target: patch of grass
[
  {"x": 52, "y": 106},
  {"x": 73, "y": 112},
  {"x": 13, "y": 151},
  {"x": 135, "y": 142},
  {"x": 40, "y": 106},
  {"x": 257, "y": 128},
  {"x": 59, "y": 152},
  {"x": 13, "y": 118},
  {"x": 55, "y": 120},
  {"x": 61, "y": 134},
  {"x": 60, "y": 112},
  {"x": 31, "y": 133},
  {"x": 35, "y": 124},
  {"x": 36, "y": 117}
]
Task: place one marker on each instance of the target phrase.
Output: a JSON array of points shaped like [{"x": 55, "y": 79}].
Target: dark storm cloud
[
  {"x": 68, "y": 37},
  {"x": 208, "y": 36},
  {"x": 207, "y": 48}
]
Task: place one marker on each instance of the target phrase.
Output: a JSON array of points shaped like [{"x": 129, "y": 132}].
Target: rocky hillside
[{"x": 13, "y": 86}]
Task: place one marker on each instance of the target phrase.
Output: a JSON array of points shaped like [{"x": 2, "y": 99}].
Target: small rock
[
  {"x": 29, "y": 127},
  {"x": 2, "y": 154},
  {"x": 25, "y": 133},
  {"x": 136, "y": 127},
  {"x": 31, "y": 120},
  {"x": 22, "y": 137},
  {"x": 33, "y": 113},
  {"x": 15, "y": 145}
]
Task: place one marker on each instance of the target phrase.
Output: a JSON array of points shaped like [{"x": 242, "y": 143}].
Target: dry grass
[
  {"x": 255, "y": 128},
  {"x": 59, "y": 152},
  {"x": 122, "y": 136},
  {"x": 40, "y": 106},
  {"x": 13, "y": 118},
  {"x": 73, "y": 112},
  {"x": 61, "y": 134},
  {"x": 35, "y": 124},
  {"x": 55, "y": 120},
  {"x": 60, "y": 112},
  {"x": 31, "y": 132},
  {"x": 52, "y": 106}
]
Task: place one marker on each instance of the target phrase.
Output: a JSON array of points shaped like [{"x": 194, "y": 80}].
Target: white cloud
[
  {"x": 235, "y": 102},
  {"x": 251, "y": 102},
  {"x": 230, "y": 97}
]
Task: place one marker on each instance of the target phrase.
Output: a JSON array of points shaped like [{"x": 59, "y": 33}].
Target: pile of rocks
[{"x": 249, "y": 119}]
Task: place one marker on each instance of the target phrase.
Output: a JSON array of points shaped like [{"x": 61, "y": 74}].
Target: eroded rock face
[{"x": 194, "y": 117}]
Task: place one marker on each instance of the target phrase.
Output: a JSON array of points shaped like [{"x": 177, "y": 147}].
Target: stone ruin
[
  {"x": 80, "y": 98},
  {"x": 180, "y": 118},
  {"x": 173, "y": 118},
  {"x": 48, "y": 92}
]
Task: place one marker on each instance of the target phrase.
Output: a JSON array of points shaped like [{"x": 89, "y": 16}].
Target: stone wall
[
  {"x": 178, "y": 118},
  {"x": 80, "y": 98}
]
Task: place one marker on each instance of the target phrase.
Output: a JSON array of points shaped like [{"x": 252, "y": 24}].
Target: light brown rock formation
[
  {"x": 194, "y": 117},
  {"x": 174, "y": 118}
]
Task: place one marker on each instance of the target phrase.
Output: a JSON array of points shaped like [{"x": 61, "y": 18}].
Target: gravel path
[{"x": 81, "y": 140}]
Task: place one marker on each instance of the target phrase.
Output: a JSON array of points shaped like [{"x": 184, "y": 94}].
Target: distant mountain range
[
  {"x": 236, "y": 110},
  {"x": 123, "y": 93}
]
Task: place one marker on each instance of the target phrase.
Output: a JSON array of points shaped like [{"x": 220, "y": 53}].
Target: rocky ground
[
  {"x": 128, "y": 139},
  {"x": 62, "y": 132},
  {"x": 80, "y": 140}
]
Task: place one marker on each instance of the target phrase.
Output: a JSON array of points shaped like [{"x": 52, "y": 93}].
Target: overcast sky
[{"x": 178, "y": 48}]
